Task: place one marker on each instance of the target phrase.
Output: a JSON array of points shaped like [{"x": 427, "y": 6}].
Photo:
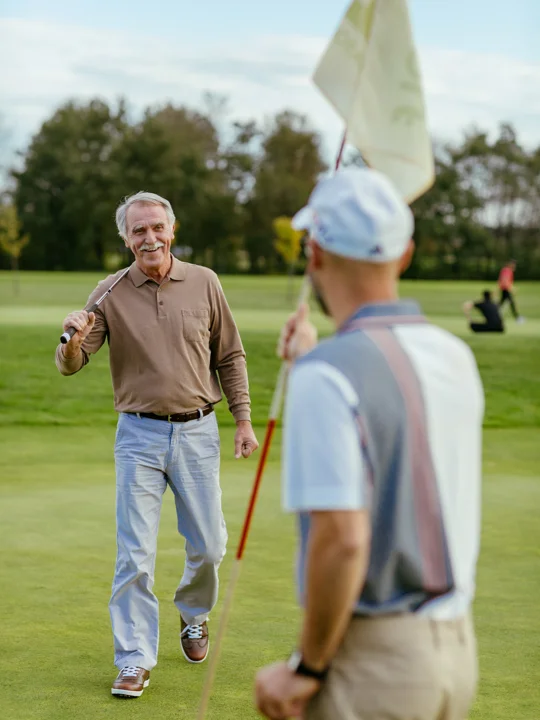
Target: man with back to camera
[
  {"x": 382, "y": 465},
  {"x": 490, "y": 311},
  {"x": 171, "y": 335}
]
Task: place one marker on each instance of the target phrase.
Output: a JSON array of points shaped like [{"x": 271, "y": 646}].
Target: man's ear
[
  {"x": 315, "y": 256},
  {"x": 406, "y": 258}
]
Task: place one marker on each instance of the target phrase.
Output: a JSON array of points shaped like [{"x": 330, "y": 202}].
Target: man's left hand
[
  {"x": 245, "y": 441},
  {"x": 281, "y": 694}
]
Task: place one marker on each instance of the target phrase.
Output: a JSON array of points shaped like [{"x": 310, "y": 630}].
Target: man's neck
[
  {"x": 345, "y": 302},
  {"x": 159, "y": 274}
]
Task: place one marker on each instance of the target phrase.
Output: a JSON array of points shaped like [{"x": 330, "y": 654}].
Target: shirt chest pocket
[{"x": 196, "y": 326}]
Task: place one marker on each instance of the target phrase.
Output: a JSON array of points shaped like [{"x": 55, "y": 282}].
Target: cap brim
[{"x": 303, "y": 220}]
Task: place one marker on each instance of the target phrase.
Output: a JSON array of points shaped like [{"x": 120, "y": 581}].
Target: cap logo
[{"x": 375, "y": 250}]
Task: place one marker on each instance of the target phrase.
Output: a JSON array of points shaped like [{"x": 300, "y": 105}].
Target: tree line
[{"x": 232, "y": 185}]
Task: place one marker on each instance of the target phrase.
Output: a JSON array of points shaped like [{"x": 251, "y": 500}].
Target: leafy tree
[
  {"x": 64, "y": 191},
  {"x": 446, "y": 231},
  {"x": 229, "y": 182},
  {"x": 12, "y": 241},
  {"x": 174, "y": 152},
  {"x": 286, "y": 170}
]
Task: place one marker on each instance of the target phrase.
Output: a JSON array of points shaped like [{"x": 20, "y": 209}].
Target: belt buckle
[
  {"x": 169, "y": 418},
  {"x": 201, "y": 414}
]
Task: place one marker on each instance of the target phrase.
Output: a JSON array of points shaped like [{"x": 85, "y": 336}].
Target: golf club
[{"x": 70, "y": 332}]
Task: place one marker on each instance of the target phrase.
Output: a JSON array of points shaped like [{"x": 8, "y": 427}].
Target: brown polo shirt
[{"x": 168, "y": 343}]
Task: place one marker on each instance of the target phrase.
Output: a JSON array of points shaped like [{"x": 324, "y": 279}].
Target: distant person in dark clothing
[
  {"x": 506, "y": 286},
  {"x": 489, "y": 310}
]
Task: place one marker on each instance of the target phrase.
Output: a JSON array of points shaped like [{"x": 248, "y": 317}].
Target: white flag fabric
[{"x": 370, "y": 74}]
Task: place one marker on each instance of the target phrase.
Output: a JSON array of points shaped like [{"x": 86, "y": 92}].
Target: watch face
[{"x": 294, "y": 661}]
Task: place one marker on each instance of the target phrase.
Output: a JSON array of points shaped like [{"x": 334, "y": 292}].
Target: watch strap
[
  {"x": 306, "y": 671},
  {"x": 299, "y": 667}
]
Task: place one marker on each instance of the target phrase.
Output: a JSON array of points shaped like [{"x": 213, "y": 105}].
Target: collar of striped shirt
[{"x": 383, "y": 314}]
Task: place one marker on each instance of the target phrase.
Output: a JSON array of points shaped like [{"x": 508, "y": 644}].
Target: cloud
[
  {"x": 49, "y": 63},
  {"x": 472, "y": 88}
]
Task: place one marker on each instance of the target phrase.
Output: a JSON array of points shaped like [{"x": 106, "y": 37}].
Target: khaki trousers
[{"x": 403, "y": 667}]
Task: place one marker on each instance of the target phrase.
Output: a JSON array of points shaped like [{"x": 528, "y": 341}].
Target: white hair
[{"x": 141, "y": 197}]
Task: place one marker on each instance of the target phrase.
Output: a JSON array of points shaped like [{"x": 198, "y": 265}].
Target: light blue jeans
[{"x": 151, "y": 454}]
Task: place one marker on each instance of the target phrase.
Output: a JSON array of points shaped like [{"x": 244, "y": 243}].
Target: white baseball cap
[{"x": 357, "y": 213}]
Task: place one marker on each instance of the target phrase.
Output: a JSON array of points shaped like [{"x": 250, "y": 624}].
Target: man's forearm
[
  {"x": 70, "y": 362},
  {"x": 335, "y": 574},
  {"x": 234, "y": 381}
]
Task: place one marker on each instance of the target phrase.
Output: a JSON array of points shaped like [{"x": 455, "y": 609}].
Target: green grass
[{"x": 57, "y": 518}]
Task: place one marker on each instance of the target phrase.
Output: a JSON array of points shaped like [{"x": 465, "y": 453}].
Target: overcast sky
[{"x": 480, "y": 59}]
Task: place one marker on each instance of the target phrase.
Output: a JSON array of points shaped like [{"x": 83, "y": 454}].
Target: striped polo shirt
[{"x": 386, "y": 415}]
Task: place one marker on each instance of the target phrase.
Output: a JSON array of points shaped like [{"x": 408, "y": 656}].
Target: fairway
[{"x": 57, "y": 517}]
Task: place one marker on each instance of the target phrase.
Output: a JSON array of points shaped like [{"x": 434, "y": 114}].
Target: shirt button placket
[{"x": 160, "y": 304}]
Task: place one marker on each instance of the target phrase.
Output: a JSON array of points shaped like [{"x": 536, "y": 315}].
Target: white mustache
[{"x": 156, "y": 245}]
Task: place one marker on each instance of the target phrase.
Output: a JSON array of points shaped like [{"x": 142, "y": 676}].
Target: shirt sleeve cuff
[
  {"x": 242, "y": 413},
  {"x": 68, "y": 366},
  {"x": 324, "y": 499}
]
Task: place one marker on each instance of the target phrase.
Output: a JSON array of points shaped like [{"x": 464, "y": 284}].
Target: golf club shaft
[{"x": 70, "y": 332}]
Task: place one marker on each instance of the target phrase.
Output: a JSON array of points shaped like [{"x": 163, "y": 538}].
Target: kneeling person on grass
[
  {"x": 489, "y": 310},
  {"x": 382, "y": 454},
  {"x": 170, "y": 334}
]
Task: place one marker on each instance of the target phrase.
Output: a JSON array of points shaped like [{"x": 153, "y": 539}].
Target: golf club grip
[{"x": 70, "y": 332}]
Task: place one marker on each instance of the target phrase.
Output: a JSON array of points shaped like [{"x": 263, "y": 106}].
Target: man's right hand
[
  {"x": 83, "y": 322},
  {"x": 298, "y": 336}
]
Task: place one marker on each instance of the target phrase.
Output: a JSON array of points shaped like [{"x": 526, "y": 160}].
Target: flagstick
[
  {"x": 341, "y": 149},
  {"x": 273, "y": 416},
  {"x": 275, "y": 409}
]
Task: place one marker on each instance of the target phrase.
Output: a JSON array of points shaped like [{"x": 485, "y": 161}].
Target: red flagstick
[{"x": 275, "y": 409}]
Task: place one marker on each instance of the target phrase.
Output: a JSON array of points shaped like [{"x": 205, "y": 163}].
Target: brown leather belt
[{"x": 179, "y": 417}]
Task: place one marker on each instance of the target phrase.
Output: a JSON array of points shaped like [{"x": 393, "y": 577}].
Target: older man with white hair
[{"x": 171, "y": 334}]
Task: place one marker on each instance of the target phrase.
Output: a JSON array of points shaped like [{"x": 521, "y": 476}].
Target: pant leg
[
  {"x": 479, "y": 327},
  {"x": 513, "y": 305},
  {"x": 507, "y": 295},
  {"x": 141, "y": 448},
  {"x": 484, "y": 327},
  {"x": 193, "y": 472},
  {"x": 458, "y": 643}
]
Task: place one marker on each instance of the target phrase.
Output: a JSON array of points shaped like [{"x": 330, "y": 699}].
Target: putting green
[{"x": 57, "y": 517}]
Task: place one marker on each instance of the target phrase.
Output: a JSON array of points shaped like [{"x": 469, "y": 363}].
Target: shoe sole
[
  {"x": 130, "y": 693},
  {"x": 194, "y": 662}
]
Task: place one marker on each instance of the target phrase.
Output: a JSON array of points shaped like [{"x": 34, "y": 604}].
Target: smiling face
[{"x": 149, "y": 237}]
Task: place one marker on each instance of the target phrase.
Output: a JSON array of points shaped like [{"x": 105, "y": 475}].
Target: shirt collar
[
  {"x": 386, "y": 313},
  {"x": 177, "y": 272}
]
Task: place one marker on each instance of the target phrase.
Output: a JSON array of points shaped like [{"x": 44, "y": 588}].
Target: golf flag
[{"x": 370, "y": 74}]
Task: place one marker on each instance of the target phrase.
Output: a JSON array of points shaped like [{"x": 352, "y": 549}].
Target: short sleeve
[{"x": 323, "y": 465}]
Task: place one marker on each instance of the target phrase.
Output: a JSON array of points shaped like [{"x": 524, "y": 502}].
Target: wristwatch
[{"x": 297, "y": 665}]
